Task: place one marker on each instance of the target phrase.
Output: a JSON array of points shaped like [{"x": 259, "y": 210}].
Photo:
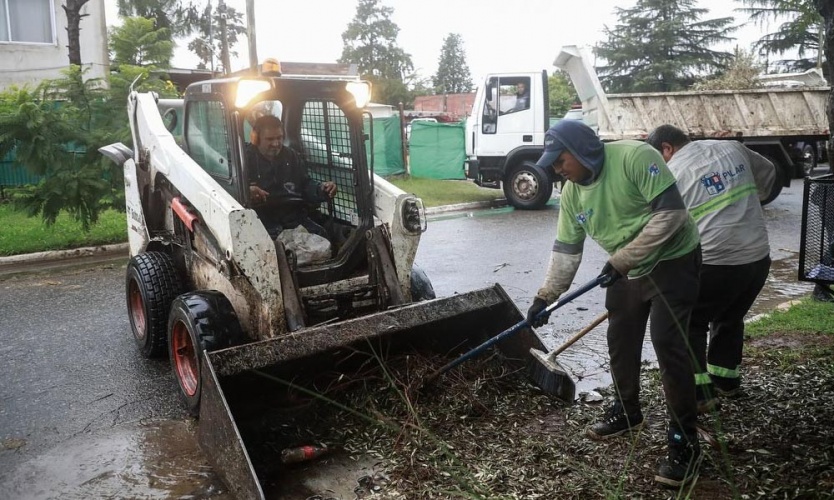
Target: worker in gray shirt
[{"x": 722, "y": 183}]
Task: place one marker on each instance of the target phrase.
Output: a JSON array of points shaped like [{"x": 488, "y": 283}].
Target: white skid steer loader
[{"x": 209, "y": 287}]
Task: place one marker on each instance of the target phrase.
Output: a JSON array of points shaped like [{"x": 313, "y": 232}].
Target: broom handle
[{"x": 581, "y": 333}]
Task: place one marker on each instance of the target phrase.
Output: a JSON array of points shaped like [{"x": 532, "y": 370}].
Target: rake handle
[
  {"x": 568, "y": 297},
  {"x": 581, "y": 333}
]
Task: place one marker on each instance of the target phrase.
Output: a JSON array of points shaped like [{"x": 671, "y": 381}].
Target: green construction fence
[
  {"x": 387, "y": 146},
  {"x": 437, "y": 150}
]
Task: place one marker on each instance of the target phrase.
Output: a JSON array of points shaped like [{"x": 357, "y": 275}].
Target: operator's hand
[
  {"x": 538, "y": 306},
  {"x": 609, "y": 275},
  {"x": 329, "y": 189},
  {"x": 257, "y": 195}
]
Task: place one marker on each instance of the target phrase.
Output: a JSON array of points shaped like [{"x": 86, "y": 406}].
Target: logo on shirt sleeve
[
  {"x": 654, "y": 169},
  {"x": 713, "y": 183}
]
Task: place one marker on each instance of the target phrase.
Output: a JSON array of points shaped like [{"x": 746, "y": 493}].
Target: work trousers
[
  {"x": 726, "y": 294},
  {"x": 666, "y": 296}
]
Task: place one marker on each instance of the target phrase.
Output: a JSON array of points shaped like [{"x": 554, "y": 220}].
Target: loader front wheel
[
  {"x": 421, "y": 287},
  {"x": 200, "y": 322},
  {"x": 151, "y": 284}
]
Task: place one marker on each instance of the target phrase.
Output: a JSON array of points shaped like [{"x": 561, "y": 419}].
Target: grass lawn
[
  {"x": 21, "y": 234},
  {"x": 435, "y": 193}
]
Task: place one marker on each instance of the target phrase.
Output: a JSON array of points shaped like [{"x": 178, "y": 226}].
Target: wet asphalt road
[{"x": 83, "y": 416}]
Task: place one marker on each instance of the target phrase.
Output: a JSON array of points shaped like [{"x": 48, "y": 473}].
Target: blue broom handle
[{"x": 568, "y": 297}]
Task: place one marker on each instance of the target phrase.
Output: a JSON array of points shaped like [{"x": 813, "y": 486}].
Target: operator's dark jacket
[{"x": 286, "y": 176}]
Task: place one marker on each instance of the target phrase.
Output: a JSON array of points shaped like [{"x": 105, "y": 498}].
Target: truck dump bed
[{"x": 740, "y": 114}]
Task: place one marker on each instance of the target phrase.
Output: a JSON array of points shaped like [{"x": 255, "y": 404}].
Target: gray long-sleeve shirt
[{"x": 721, "y": 183}]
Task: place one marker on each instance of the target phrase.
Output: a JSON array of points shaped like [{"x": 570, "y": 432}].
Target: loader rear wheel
[
  {"x": 151, "y": 284},
  {"x": 528, "y": 187},
  {"x": 200, "y": 322}
]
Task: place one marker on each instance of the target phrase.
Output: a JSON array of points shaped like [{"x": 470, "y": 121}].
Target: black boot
[
  {"x": 615, "y": 423},
  {"x": 681, "y": 466}
]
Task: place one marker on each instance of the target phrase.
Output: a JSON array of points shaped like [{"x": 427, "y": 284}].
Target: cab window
[{"x": 207, "y": 137}]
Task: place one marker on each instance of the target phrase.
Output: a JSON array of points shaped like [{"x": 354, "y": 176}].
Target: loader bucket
[{"x": 239, "y": 388}]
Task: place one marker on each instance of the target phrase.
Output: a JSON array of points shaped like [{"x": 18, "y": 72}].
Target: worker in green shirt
[{"x": 623, "y": 196}]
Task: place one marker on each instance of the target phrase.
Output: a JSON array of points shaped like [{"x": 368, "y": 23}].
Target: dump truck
[
  {"x": 247, "y": 326},
  {"x": 503, "y": 143}
]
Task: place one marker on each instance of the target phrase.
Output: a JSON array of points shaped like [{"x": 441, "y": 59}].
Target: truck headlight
[{"x": 414, "y": 215}]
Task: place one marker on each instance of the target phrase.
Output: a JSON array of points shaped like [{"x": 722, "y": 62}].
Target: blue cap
[{"x": 553, "y": 147}]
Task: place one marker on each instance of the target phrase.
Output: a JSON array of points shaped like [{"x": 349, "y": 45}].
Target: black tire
[
  {"x": 777, "y": 182},
  {"x": 421, "y": 287},
  {"x": 809, "y": 155},
  {"x": 527, "y": 187},
  {"x": 200, "y": 322},
  {"x": 151, "y": 284}
]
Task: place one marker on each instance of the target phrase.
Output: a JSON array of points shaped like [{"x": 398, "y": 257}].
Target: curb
[
  {"x": 8, "y": 264},
  {"x": 102, "y": 251}
]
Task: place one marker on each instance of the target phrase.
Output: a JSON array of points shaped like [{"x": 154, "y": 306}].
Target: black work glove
[
  {"x": 609, "y": 275},
  {"x": 538, "y": 306}
]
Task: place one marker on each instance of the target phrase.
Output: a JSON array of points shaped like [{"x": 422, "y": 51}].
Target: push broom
[
  {"x": 567, "y": 389},
  {"x": 547, "y": 373}
]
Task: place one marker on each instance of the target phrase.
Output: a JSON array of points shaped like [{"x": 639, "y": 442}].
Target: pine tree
[
  {"x": 662, "y": 45},
  {"x": 137, "y": 43},
  {"x": 452, "y": 75},
  {"x": 800, "y": 31},
  {"x": 370, "y": 42}
]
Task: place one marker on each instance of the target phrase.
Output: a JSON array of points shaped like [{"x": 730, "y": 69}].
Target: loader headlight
[
  {"x": 414, "y": 215},
  {"x": 361, "y": 92},
  {"x": 248, "y": 89}
]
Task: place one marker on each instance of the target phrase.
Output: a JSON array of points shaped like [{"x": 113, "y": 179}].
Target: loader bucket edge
[
  {"x": 446, "y": 325},
  {"x": 220, "y": 439}
]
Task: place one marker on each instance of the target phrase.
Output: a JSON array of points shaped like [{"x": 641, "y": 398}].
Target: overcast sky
[{"x": 498, "y": 35}]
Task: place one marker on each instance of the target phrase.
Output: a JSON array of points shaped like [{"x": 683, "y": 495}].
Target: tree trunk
[{"x": 73, "y": 11}]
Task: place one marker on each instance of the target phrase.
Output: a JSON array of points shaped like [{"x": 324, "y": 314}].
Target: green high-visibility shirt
[{"x": 617, "y": 205}]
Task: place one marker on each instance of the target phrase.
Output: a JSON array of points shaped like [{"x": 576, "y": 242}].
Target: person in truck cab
[
  {"x": 277, "y": 174},
  {"x": 522, "y": 97},
  {"x": 624, "y": 197},
  {"x": 721, "y": 183}
]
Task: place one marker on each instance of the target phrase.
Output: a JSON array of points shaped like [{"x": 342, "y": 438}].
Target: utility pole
[
  {"x": 211, "y": 37},
  {"x": 224, "y": 41},
  {"x": 250, "y": 34}
]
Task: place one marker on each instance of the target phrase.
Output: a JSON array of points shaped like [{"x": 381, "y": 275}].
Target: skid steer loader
[{"x": 232, "y": 308}]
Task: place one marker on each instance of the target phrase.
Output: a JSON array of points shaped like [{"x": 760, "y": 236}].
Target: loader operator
[
  {"x": 721, "y": 183},
  {"x": 624, "y": 197},
  {"x": 277, "y": 173}
]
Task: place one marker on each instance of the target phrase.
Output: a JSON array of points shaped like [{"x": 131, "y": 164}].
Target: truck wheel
[
  {"x": 421, "y": 287},
  {"x": 151, "y": 284},
  {"x": 777, "y": 182},
  {"x": 810, "y": 160},
  {"x": 200, "y": 322},
  {"x": 527, "y": 187}
]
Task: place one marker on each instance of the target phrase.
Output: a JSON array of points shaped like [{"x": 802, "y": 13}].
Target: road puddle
[{"x": 151, "y": 461}]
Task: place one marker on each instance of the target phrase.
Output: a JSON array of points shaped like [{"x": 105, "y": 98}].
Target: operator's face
[
  {"x": 521, "y": 88},
  {"x": 270, "y": 142},
  {"x": 569, "y": 167}
]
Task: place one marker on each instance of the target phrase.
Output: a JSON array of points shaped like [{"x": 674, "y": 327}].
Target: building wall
[
  {"x": 29, "y": 63},
  {"x": 456, "y": 106}
]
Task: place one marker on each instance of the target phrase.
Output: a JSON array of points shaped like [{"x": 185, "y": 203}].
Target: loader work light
[
  {"x": 248, "y": 89},
  {"x": 361, "y": 92},
  {"x": 414, "y": 216}
]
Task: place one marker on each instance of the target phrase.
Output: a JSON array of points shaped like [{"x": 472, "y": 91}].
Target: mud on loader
[{"x": 235, "y": 311}]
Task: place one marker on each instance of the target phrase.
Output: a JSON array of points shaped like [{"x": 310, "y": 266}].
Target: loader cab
[{"x": 322, "y": 123}]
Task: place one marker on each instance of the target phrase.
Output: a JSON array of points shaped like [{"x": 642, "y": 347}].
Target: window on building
[{"x": 27, "y": 21}]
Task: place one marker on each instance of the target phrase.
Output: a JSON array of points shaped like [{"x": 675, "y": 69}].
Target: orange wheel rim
[
  {"x": 137, "y": 311},
  {"x": 185, "y": 358}
]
